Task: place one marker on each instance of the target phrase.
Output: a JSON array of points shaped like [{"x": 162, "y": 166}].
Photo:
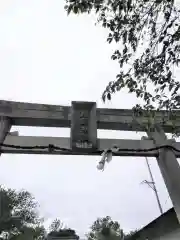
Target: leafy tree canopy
[
  {"x": 104, "y": 228},
  {"x": 56, "y": 225},
  {"x": 19, "y": 216},
  {"x": 57, "y": 229},
  {"x": 149, "y": 33}
]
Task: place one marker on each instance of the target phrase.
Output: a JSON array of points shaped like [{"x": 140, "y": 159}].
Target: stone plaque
[{"x": 83, "y": 127}]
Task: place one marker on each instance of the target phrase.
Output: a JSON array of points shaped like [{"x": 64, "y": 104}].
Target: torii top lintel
[{"x": 33, "y": 114}]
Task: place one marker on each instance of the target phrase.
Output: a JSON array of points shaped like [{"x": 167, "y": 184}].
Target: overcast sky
[{"x": 47, "y": 57}]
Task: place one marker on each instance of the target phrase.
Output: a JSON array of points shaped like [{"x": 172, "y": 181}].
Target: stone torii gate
[{"x": 84, "y": 119}]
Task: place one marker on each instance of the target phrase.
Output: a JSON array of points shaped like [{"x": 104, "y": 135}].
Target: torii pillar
[
  {"x": 169, "y": 167},
  {"x": 5, "y": 125}
]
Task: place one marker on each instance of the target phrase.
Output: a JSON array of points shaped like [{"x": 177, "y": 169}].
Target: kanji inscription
[{"x": 83, "y": 126}]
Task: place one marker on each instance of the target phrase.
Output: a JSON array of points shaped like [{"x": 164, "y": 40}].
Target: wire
[
  {"x": 52, "y": 148},
  {"x": 49, "y": 147}
]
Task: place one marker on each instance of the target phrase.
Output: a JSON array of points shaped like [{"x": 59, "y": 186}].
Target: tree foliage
[
  {"x": 36, "y": 233},
  {"x": 56, "y": 225},
  {"x": 104, "y": 228},
  {"x": 19, "y": 218},
  {"x": 19, "y": 215},
  {"x": 57, "y": 229},
  {"x": 63, "y": 233},
  {"x": 149, "y": 33}
]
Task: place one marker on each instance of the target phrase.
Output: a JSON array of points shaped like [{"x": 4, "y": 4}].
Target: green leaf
[
  {"x": 132, "y": 24},
  {"x": 108, "y": 96}
]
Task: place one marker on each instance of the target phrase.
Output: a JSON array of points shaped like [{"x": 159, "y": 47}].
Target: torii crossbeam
[{"x": 84, "y": 119}]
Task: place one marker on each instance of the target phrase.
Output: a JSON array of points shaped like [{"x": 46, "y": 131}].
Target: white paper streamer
[
  {"x": 100, "y": 166},
  {"x": 106, "y": 157}
]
